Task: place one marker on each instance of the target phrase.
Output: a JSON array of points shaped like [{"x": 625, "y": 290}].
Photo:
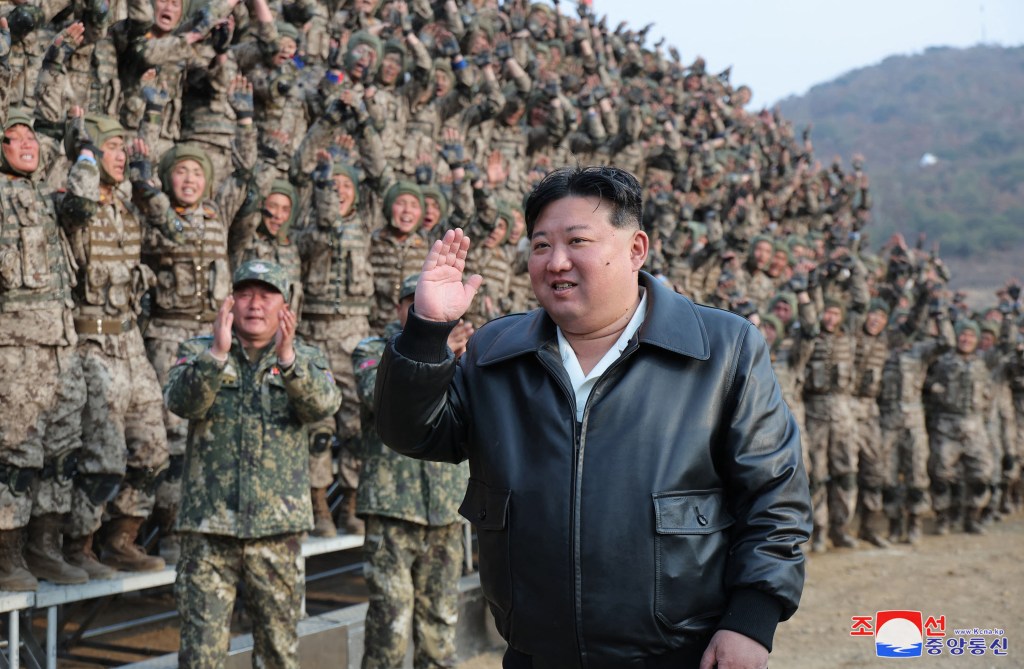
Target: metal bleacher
[{"x": 51, "y": 597}]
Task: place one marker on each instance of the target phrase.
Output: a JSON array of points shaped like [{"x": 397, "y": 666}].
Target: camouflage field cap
[
  {"x": 263, "y": 271},
  {"x": 408, "y": 288}
]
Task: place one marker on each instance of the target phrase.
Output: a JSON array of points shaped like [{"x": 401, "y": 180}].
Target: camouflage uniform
[
  {"x": 338, "y": 280},
  {"x": 904, "y": 433},
  {"x": 413, "y": 540},
  {"x": 188, "y": 253},
  {"x": 833, "y": 475},
  {"x": 125, "y": 442},
  {"x": 870, "y": 353},
  {"x": 960, "y": 451},
  {"x": 40, "y": 429},
  {"x": 245, "y": 500},
  {"x": 393, "y": 259}
]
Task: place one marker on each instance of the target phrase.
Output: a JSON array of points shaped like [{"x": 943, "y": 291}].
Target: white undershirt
[{"x": 583, "y": 384}]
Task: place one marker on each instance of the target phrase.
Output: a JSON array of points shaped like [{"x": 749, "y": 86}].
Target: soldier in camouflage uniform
[
  {"x": 827, "y": 382},
  {"x": 270, "y": 240},
  {"x": 396, "y": 251},
  {"x": 904, "y": 434},
  {"x": 124, "y": 440},
  {"x": 869, "y": 355},
  {"x": 413, "y": 542},
  {"x": 960, "y": 450},
  {"x": 248, "y": 391},
  {"x": 338, "y": 280},
  {"x": 490, "y": 260},
  {"x": 40, "y": 429},
  {"x": 188, "y": 253}
]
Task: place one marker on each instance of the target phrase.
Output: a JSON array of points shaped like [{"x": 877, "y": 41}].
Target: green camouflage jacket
[
  {"x": 393, "y": 485},
  {"x": 246, "y": 466}
]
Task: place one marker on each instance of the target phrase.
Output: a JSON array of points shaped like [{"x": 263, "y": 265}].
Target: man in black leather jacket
[{"x": 636, "y": 478}]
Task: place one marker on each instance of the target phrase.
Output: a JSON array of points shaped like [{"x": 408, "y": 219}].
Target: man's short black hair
[{"x": 615, "y": 186}]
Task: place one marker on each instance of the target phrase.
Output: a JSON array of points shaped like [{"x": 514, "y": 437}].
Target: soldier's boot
[
  {"x": 841, "y": 538},
  {"x": 14, "y": 573},
  {"x": 352, "y": 523},
  {"x": 869, "y": 524},
  {"x": 818, "y": 544},
  {"x": 323, "y": 523},
  {"x": 895, "y": 529},
  {"x": 170, "y": 546},
  {"x": 1005, "y": 499},
  {"x": 43, "y": 552},
  {"x": 972, "y": 521},
  {"x": 942, "y": 522},
  {"x": 914, "y": 529},
  {"x": 78, "y": 552},
  {"x": 120, "y": 550}
]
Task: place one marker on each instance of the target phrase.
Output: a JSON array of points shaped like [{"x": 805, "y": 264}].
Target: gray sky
[{"x": 783, "y": 47}]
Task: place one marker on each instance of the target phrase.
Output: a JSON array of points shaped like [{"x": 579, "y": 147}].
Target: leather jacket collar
[{"x": 672, "y": 324}]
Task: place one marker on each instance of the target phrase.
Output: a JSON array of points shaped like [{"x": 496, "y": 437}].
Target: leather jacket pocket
[
  {"x": 488, "y": 510},
  {"x": 691, "y": 547}
]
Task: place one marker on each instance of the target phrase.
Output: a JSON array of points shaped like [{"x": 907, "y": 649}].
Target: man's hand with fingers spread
[
  {"x": 222, "y": 330},
  {"x": 441, "y": 294}
]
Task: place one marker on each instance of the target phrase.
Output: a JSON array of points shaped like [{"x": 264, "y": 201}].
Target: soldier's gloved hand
[
  {"x": 240, "y": 98},
  {"x": 1008, "y": 462},
  {"x": 482, "y": 59},
  {"x": 745, "y": 308},
  {"x": 1013, "y": 290},
  {"x": 798, "y": 283},
  {"x": 552, "y": 89},
  {"x": 155, "y": 98},
  {"x": 448, "y": 46},
  {"x": 77, "y": 138},
  {"x": 220, "y": 37},
  {"x": 424, "y": 174},
  {"x": 453, "y": 153},
  {"x": 322, "y": 171},
  {"x": 407, "y": 25},
  {"x": 503, "y": 50},
  {"x": 813, "y": 278},
  {"x": 140, "y": 169}
]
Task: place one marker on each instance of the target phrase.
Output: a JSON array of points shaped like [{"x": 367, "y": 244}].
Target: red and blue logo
[{"x": 899, "y": 633}]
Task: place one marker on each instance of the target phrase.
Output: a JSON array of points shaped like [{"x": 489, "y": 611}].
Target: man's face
[
  {"x": 21, "y": 148},
  {"x": 442, "y": 84},
  {"x": 432, "y": 215},
  {"x": 779, "y": 264},
  {"x": 495, "y": 237},
  {"x": 966, "y": 341},
  {"x": 584, "y": 270},
  {"x": 762, "y": 255},
  {"x": 406, "y": 213},
  {"x": 770, "y": 335},
  {"x": 188, "y": 182},
  {"x": 518, "y": 228},
  {"x": 346, "y": 193},
  {"x": 114, "y": 158},
  {"x": 875, "y": 322},
  {"x": 390, "y": 68},
  {"x": 278, "y": 208},
  {"x": 783, "y": 311},
  {"x": 286, "y": 48},
  {"x": 364, "y": 57},
  {"x": 988, "y": 340},
  {"x": 831, "y": 319},
  {"x": 257, "y": 312},
  {"x": 167, "y": 14}
]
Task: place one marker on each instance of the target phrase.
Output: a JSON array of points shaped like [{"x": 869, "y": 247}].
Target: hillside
[{"x": 965, "y": 107}]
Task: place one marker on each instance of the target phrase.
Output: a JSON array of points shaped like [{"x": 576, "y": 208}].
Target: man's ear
[{"x": 639, "y": 248}]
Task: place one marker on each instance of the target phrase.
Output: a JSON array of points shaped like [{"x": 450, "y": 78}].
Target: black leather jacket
[{"x": 676, "y": 507}]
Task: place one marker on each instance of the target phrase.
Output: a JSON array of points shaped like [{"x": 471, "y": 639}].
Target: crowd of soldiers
[{"x": 150, "y": 146}]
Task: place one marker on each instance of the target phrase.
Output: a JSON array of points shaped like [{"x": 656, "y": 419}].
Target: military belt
[
  {"x": 102, "y": 326},
  {"x": 205, "y": 317},
  {"x": 17, "y": 479},
  {"x": 62, "y": 468}
]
